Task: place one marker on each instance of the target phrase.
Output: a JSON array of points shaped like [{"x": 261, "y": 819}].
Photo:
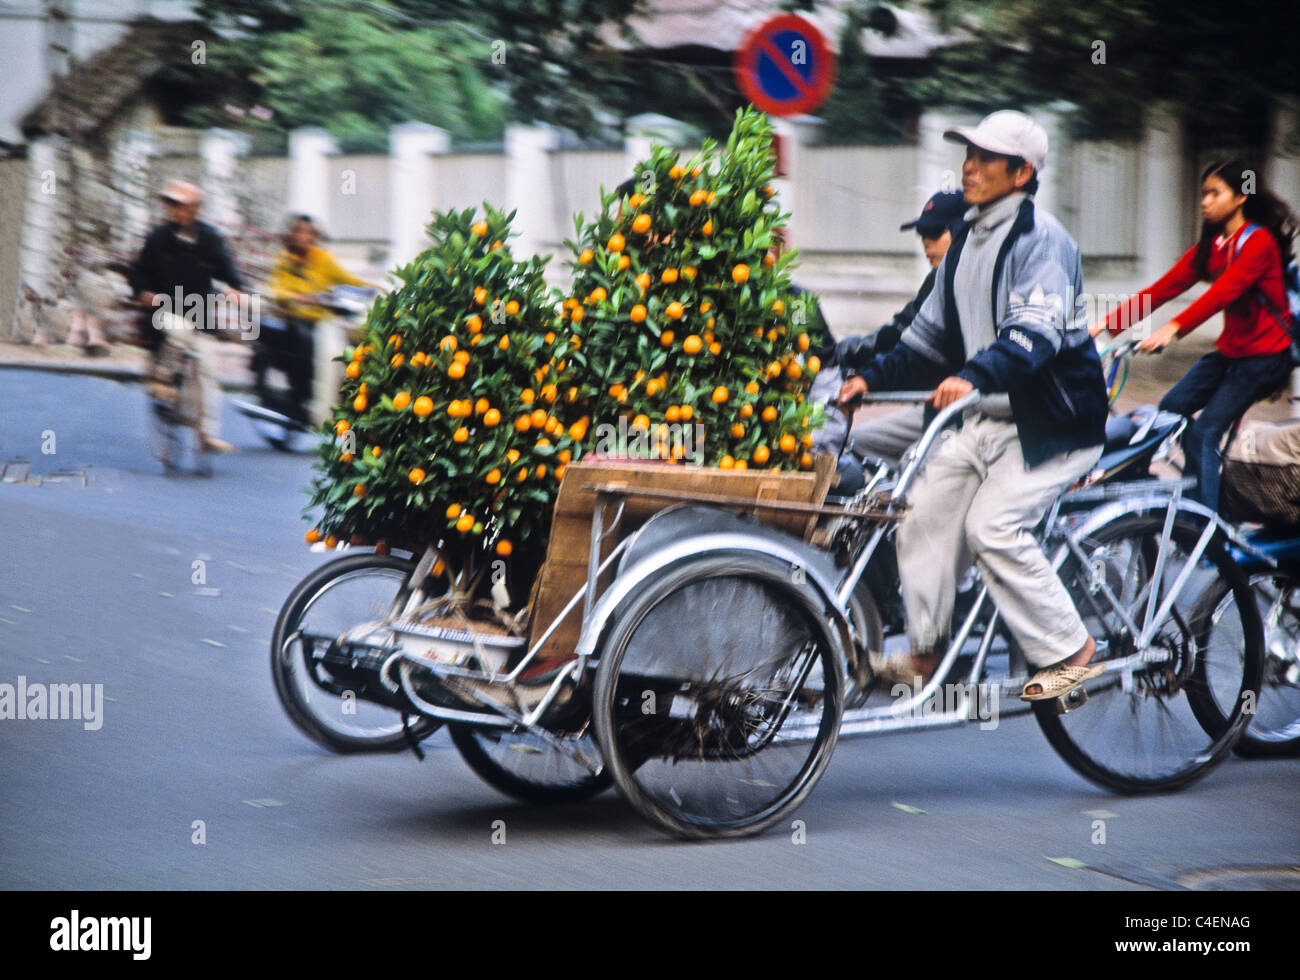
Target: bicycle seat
[
  {"x": 1138, "y": 434},
  {"x": 1120, "y": 429}
]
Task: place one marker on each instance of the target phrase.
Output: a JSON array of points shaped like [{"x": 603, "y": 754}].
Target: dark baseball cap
[{"x": 944, "y": 211}]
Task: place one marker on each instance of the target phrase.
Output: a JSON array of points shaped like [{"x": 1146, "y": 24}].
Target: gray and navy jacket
[{"x": 1043, "y": 357}]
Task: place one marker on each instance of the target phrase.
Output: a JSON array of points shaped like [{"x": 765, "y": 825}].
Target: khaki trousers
[
  {"x": 170, "y": 359},
  {"x": 976, "y": 499}
]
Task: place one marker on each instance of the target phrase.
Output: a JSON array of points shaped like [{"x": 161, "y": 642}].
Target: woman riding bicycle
[
  {"x": 302, "y": 271},
  {"x": 1245, "y": 244}
]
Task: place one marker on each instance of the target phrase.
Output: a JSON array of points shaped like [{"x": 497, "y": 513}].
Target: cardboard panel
[{"x": 565, "y": 570}]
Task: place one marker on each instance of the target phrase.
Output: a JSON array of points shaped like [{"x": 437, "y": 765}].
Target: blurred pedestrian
[{"x": 180, "y": 260}]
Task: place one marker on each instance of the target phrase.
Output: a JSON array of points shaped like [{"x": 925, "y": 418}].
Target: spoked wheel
[
  {"x": 529, "y": 767},
  {"x": 1274, "y": 728},
  {"x": 164, "y": 434},
  {"x": 868, "y": 641},
  {"x": 718, "y": 696},
  {"x": 323, "y": 694},
  {"x": 1167, "y": 720}
]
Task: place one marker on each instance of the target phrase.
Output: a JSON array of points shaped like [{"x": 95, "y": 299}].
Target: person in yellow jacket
[{"x": 302, "y": 271}]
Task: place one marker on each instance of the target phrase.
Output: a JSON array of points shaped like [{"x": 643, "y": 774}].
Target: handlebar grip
[{"x": 896, "y": 396}]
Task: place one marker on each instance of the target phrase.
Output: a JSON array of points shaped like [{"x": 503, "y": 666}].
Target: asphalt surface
[{"x": 98, "y": 586}]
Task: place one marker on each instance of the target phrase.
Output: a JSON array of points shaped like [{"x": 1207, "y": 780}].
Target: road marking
[
  {"x": 1067, "y": 862},
  {"x": 906, "y": 808},
  {"x": 213, "y": 643}
]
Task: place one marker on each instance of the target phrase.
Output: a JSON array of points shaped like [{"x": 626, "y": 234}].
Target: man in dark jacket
[
  {"x": 174, "y": 274},
  {"x": 941, "y": 217},
  {"x": 888, "y": 436},
  {"x": 1006, "y": 317}
]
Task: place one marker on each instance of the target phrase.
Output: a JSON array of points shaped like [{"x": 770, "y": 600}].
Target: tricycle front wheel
[
  {"x": 528, "y": 767},
  {"x": 718, "y": 696}
]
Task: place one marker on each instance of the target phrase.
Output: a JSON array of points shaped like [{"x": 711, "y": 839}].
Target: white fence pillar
[
  {"x": 410, "y": 191},
  {"x": 1162, "y": 204},
  {"x": 37, "y": 261},
  {"x": 1056, "y": 173},
  {"x": 1282, "y": 164},
  {"x": 309, "y": 172},
  {"x": 938, "y": 164},
  {"x": 219, "y": 151},
  {"x": 528, "y": 186},
  {"x": 793, "y": 186}
]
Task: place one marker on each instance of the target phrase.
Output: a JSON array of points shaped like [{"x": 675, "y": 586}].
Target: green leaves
[
  {"x": 443, "y": 396},
  {"x": 709, "y": 290}
]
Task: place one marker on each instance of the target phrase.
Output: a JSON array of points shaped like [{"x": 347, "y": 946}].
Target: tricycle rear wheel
[
  {"x": 325, "y": 699},
  {"x": 718, "y": 695}
]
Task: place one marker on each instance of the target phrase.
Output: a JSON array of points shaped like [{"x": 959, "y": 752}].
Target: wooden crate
[{"x": 565, "y": 569}]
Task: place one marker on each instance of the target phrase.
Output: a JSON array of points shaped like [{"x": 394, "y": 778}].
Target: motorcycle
[{"x": 290, "y": 385}]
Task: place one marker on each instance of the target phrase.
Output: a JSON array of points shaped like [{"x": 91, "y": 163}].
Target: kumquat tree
[
  {"x": 688, "y": 340},
  {"x": 450, "y": 425}
]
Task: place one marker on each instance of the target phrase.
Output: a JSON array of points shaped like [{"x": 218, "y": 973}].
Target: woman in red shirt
[{"x": 1252, "y": 357}]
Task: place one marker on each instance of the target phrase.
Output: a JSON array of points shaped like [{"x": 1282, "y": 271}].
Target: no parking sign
[{"x": 785, "y": 66}]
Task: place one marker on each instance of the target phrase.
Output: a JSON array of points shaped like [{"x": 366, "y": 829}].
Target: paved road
[{"x": 97, "y": 587}]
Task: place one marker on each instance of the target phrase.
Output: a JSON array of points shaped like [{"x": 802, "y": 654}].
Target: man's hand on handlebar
[
  {"x": 851, "y": 393},
  {"x": 949, "y": 391}
]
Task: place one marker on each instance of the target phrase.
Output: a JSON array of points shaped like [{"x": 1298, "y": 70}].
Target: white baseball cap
[{"x": 1008, "y": 133}]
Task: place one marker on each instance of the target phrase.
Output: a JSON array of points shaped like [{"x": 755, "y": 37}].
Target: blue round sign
[{"x": 785, "y": 67}]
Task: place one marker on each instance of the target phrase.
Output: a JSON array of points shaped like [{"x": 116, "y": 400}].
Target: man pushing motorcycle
[{"x": 1006, "y": 317}]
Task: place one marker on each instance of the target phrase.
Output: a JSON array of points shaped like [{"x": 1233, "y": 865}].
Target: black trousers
[{"x": 1222, "y": 388}]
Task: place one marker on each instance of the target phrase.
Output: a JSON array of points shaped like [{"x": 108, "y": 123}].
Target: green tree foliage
[
  {"x": 859, "y": 109},
  {"x": 1210, "y": 61},
  {"x": 681, "y": 313},
  {"x": 357, "y": 67},
  {"x": 450, "y": 423}
]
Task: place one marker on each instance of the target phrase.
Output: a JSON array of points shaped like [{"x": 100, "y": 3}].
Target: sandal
[{"x": 1058, "y": 680}]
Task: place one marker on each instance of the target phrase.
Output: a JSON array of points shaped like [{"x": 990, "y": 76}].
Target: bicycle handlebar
[
  {"x": 897, "y": 396},
  {"x": 916, "y": 455}
]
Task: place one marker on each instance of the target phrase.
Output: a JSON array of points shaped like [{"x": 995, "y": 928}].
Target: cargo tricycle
[{"x": 702, "y": 637}]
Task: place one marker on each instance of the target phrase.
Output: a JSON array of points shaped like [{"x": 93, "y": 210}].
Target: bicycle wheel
[
  {"x": 718, "y": 696},
  {"x": 164, "y": 435},
  {"x": 868, "y": 640},
  {"x": 322, "y": 694},
  {"x": 1274, "y": 728},
  {"x": 1157, "y": 725},
  {"x": 528, "y": 767}
]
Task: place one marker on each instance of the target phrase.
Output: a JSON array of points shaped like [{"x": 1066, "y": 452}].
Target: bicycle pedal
[{"x": 1068, "y": 702}]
